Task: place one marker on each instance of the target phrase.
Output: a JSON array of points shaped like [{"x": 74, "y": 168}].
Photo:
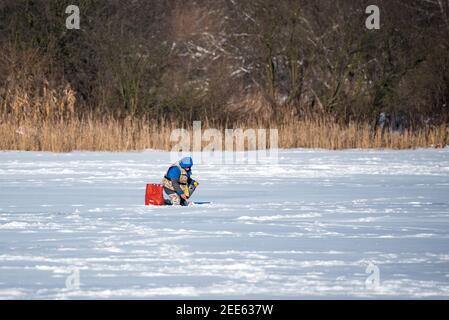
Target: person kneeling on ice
[{"x": 178, "y": 185}]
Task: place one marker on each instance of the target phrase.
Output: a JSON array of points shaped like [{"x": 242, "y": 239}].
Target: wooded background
[{"x": 227, "y": 61}]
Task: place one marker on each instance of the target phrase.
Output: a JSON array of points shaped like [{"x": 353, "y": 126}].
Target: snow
[{"x": 306, "y": 227}]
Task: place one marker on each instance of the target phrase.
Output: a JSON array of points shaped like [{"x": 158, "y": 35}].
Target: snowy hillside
[{"x": 307, "y": 227}]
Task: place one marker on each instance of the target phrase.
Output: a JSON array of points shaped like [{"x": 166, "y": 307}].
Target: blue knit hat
[{"x": 186, "y": 162}]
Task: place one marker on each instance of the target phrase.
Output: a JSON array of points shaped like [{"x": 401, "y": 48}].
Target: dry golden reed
[
  {"x": 37, "y": 116},
  {"x": 129, "y": 134}
]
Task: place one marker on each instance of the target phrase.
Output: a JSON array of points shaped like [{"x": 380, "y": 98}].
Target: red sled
[{"x": 154, "y": 195}]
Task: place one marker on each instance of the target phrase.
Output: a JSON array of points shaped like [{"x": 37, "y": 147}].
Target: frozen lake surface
[{"x": 306, "y": 227}]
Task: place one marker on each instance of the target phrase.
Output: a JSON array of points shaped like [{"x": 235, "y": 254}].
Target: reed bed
[{"x": 131, "y": 133}]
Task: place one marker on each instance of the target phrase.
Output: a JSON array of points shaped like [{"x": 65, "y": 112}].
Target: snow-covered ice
[{"x": 306, "y": 227}]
